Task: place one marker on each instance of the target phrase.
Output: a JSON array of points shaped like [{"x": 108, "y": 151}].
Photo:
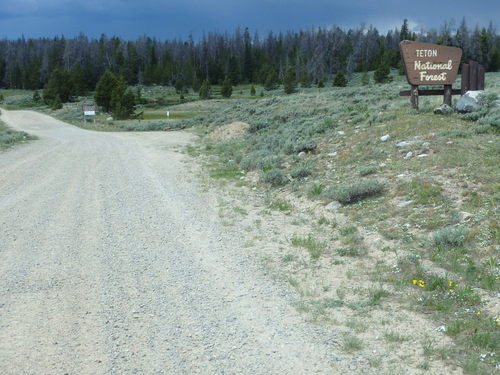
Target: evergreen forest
[{"x": 312, "y": 55}]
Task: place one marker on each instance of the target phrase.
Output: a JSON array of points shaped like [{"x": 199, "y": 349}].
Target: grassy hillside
[{"x": 414, "y": 218}]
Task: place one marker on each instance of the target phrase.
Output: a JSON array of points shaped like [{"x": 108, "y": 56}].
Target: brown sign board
[{"x": 430, "y": 64}]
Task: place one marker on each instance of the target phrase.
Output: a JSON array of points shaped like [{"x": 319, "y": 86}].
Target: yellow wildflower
[{"x": 420, "y": 283}]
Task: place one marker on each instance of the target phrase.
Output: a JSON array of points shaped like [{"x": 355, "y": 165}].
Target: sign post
[
  {"x": 430, "y": 64},
  {"x": 89, "y": 111}
]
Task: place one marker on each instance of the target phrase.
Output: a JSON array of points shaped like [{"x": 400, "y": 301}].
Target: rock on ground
[{"x": 469, "y": 101}]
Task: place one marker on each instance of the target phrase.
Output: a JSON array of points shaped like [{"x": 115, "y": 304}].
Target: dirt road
[{"x": 113, "y": 261}]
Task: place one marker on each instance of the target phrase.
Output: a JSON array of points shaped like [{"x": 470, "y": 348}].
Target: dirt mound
[{"x": 228, "y": 131}]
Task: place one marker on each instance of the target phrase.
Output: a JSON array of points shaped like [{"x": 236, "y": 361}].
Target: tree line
[{"x": 312, "y": 56}]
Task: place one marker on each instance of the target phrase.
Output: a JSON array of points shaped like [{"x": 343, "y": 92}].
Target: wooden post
[
  {"x": 414, "y": 96},
  {"x": 473, "y": 75},
  {"x": 447, "y": 95},
  {"x": 480, "y": 77},
  {"x": 464, "y": 87}
]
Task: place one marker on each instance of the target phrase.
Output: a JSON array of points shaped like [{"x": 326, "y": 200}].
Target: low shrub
[
  {"x": 352, "y": 193},
  {"x": 367, "y": 170},
  {"x": 304, "y": 169},
  {"x": 256, "y": 126},
  {"x": 457, "y": 133},
  {"x": 261, "y": 159},
  {"x": 295, "y": 146},
  {"x": 275, "y": 177},
  {"x": 153, "y": 126},
  {"x": 450, "y": 237},
  {"x": 492, "y": 118},
  {"x": 384, "y": 117},
  {"x": 9, "y": 137}
]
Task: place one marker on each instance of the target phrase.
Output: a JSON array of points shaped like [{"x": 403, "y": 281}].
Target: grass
[
  {"x": 424, "y": 191},
  {"x": 172, "y": 115},
  {"x": 376, "y": 295},
  {"x": 9, "y": 137},
  {"x": 351, "y": 251},
  {"x": 316, "y": 189},
  {"x": 351, "y": 343},
  {"x": 357, "y": 325},
  {"x": 226, "y": 172},
  {"x": 323, "y": 221},
  {"x": 395, "y": 337},
  {"x": 314, "y": 247},
  {"x": 280, "y": 205}
]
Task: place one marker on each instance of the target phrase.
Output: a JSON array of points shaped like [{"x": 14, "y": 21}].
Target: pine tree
[
  {"x": 60, "y": 84},
  {"x": 289, "y": 82},
  {"x": 56, "y": 103},
  {"x": 104, "y": 90},
  {"x": 138, "y": 96},
  {"x": 234, "y": 70},
  {"x": 179, "y": 85},
  {"x": 306, "y": 80},
  {"x": 252, "y": 90},
  {"x": 36, "y": 96},
  {"x": 401, "y": 68},
  {"x": 321, "y": 83},
  {"x": 271, "y": 80},
  {"x": 340, "y": 80},
  {"x": 247, "y": 58},
  {"x": 226, "y": 89},
  {"x": 124, "y": 105},
  {"x": 495, "y": 60},
  {"x": 205, "y": 90},
  {"x": 79, "y": 81},
  {"x": 404, "y": 34},
  {"x": 196, "y": 84},
  {"x": 381, "y": 75},
  {"x": 115, "y": 105}
]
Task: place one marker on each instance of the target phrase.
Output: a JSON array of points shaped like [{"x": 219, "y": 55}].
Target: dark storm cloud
[{"x": 170, "y": 19}]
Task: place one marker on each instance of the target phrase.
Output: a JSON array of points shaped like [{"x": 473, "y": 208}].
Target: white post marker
[{"x": 168, "y": 113}]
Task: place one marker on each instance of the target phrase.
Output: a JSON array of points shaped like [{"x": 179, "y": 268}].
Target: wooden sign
[
  {"x": 430, "y": 64},
  {"x": 89, "y": 111}
]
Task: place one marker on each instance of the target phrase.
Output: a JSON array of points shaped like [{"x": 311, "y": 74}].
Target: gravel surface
[{"x": 113, "y": 261}]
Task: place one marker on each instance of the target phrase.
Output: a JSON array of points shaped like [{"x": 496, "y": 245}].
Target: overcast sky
[{"x": 167, "y": 19}]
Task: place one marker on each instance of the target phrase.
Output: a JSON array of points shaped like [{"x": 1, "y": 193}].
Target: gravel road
[{"x": 113, "y": 261}]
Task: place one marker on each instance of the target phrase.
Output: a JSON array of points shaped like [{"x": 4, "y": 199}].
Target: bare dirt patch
[
  {"x": 229, "y": 131},
  {"x": 379, "y": 332}
]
